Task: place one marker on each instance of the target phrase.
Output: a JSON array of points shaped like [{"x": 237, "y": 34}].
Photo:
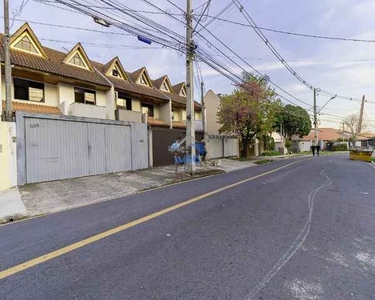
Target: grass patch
[
  {"x": 327, "y": 153},
  {"x": 263, "y": 161},
  {"x": 270, "y": 153},
  {"x": 373, "y": 159}
]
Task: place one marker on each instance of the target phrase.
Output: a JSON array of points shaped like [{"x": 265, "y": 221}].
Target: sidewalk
[
  {"x": 54, "y": 196},
  {"x": 11, "y": 206}
]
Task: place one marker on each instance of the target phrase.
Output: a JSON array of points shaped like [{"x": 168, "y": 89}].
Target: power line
[
  {"x": 270, "y": 46},
  {"x": 293, "y": 33},
  {"x": 273, "y": 50},
  {"x": 114, "y": 46},
  {"x": 126, "y": 34},
  {"x": 70, "y": 27},
  {"x": 115, "y": 22},
  {"x": 109, "y": 8},
  {"x": 200, "y": 17},
  {"x": 224, "y": 9},
  {"x": 345, "y": 98},
  {"x": 133, "y": 30},
  {"x": 255, "y": 70},
  {"x": 205, "y": 28},
  {"x": 203, "y": 4}
]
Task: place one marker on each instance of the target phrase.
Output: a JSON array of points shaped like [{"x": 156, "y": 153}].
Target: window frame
[
  {"x": 30, "y": 83},
  {"x": 84, "y": 99},
  {"x": 144, "y": 78},
  {"x": 85, "y": 65},
  {"x": 150, "y": 107},
  {"x": 128, "y": 102}
]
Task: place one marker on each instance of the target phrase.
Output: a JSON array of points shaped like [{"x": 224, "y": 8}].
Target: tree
[
  {"x": 351, "y": 126},
  {"x": 294, "y": 120},
  {"x": 249, "y": 111}
]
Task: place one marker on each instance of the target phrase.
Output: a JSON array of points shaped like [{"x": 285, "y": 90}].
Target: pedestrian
[
  {"x": 317, "y": 150},
  {"x": 313, "y": 150},
  {"x": 203, "y": 150}
]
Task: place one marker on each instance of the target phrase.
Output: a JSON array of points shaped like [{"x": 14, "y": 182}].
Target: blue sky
[{"x": 323, "y": 63}]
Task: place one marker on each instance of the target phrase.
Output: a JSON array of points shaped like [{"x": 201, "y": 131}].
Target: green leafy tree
[
  {"x": 249, "y": 111},
  {"x": 294, "y": 120}
]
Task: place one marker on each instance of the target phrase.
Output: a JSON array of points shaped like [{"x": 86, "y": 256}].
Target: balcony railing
[
  {"x": 87, "y": 110},
  {"x": 128, "y": 115}
]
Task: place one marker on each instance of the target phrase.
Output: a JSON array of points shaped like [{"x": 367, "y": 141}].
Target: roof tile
[
  {"x": 156, "y": 122},
  {"x": 35, "y": 108},
  {"x": 53, "y": 64}
]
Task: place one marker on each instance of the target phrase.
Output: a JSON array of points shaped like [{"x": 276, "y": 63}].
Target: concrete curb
[{"x": 12, "y": 207}]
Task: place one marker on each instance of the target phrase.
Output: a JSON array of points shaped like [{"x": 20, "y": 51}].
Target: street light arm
[{"x": 327, "y": 103}]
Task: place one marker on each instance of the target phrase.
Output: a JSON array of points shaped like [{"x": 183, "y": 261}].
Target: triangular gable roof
[
  {"x": 115, "y": 62},
  {"x": 178, "y": 87},
  {"x": 138, "y": 73},
  {"x": 79, "y": 49},
  {"x": 158, "y": 83},
  {"x": 19, "y": 34}
]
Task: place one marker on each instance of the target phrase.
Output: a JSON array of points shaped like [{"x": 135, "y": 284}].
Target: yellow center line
[{"x": 100, "y": 236}]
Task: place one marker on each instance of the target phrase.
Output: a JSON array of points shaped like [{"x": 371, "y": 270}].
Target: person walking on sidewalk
[
  {"x": 313, "y": 150},
  {"x": 317, "y": 149}
]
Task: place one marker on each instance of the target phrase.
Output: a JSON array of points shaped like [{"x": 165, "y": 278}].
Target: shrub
[
  {"x": 262, "y": 162},
  {"x": 288, "y": 144},
  {"x": 270, "y": 153},
  {"x": 340, "y": 147}
]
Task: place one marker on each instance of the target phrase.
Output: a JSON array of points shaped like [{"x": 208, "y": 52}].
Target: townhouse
[
  {"x": 70, "y": 84},
  {"x": 48, "y": 81}
]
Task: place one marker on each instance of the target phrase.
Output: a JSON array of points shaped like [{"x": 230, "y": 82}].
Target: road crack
[{"x": 299, "y": 240}]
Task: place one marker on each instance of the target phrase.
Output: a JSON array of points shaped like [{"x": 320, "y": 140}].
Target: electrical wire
[
  {"x": 269, "y": 45},
  {"x": 133, "y": 30},
  {"x": 200, "y": 17},
  {"x": 293, "y": 33},
  {"x": 274, "y": 51},
  {"x": 112, "y": 46},
  {"x": 115, "y": 22},
  {"x": 239, "y": 57}
]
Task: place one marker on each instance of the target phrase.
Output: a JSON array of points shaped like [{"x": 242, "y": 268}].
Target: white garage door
[{"x": 59, "y": 149}]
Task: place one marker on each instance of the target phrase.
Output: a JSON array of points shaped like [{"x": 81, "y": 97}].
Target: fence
[
  {"x": 219, "y": 146},
  {"x": 51, "y": 147},
  {"x": 162, "y": 138}
]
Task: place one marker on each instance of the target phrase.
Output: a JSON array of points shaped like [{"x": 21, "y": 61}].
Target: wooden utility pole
[
  {"x": 8, "y": 97},
  {"x": 360, "y": 122},
  {"x": 190, "y": 124}
]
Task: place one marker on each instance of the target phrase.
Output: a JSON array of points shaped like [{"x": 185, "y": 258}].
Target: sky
[{"x": 326, "y": 64}]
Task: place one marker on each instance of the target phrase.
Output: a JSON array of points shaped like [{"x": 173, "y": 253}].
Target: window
[
  {"x": 77, "y": 60},
  {"x": 183, "y": 92},
  {"x": 124, "y": 102},
  {"x": 28, "y": 90},
  {"x": 143, "y": 80},
  {"x": 148, "y": 109},
  {"x": 84, "y": 96},
  {"x": 165, "y": 87},
  {"x": 116, "y": 72},
  {"x": 25, "y": 44}
]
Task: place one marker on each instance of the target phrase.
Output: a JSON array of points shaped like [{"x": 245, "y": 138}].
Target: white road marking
[
  {"x": 299, "y": 240},
  {"x": 305, "y": 291}
]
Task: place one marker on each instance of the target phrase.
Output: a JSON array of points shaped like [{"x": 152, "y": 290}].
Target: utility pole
[
  {"x": 8, "y": 99},
  {"x": 315, "y": 121},
  {"x": 359, "y": 129},
  {"x": 203, "y": 109},
  {"x": 190, "y": 124}
]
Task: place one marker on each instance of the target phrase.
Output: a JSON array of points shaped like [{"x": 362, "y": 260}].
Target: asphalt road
[{"x": 306, "y": 231}]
